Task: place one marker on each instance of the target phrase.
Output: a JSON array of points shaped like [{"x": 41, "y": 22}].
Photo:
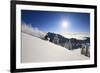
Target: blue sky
[{"x": 49, "y": 21}]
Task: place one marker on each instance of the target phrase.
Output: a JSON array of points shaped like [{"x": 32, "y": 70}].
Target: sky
[{"x": 51, "y": 21}]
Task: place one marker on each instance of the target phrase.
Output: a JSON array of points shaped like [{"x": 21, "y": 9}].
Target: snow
[
  {"x": 80, "y": 36},
  {"x": 35, "y": 49},
  {"x": 27, "y": 28}
]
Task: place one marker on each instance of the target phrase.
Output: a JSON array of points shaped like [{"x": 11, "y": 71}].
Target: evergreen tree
[{"x": 56, "y": 39}]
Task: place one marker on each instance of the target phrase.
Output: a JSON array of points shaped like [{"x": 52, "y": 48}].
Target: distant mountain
[
  {"x": 77, "y": 35},
  {"x": 66, "y": 42}
]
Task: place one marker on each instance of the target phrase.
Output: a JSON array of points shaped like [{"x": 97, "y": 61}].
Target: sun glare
[{"x": 65, "y": 24}]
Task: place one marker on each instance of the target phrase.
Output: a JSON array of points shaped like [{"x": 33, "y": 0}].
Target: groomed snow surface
[{"x": 35, "y": 49}]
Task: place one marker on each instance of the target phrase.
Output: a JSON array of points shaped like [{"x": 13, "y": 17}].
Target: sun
[{"x": 65, "y": 24}]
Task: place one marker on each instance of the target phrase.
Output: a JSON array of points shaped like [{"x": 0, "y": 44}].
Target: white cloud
[{"x": 34, "y": 31}]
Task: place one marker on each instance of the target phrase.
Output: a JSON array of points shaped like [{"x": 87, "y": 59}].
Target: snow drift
[{"x": 32, "y": 31}]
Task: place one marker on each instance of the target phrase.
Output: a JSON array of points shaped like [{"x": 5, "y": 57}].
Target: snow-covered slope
[{"x": 35, "y": 49}]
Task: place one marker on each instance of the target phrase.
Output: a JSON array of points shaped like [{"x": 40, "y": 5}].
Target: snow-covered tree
[
  {"x": 85, "y": 49},
  {"x": 56, "y": 39},
  {"x": 68, "y": 45}
]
